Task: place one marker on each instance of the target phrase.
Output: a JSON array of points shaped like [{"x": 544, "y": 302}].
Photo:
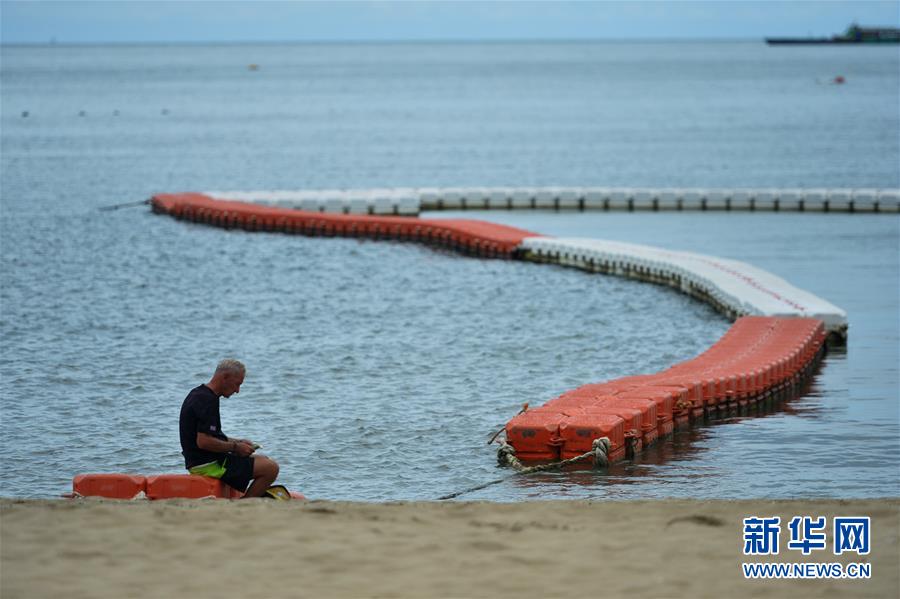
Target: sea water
[{"x": 378, "y": 371}]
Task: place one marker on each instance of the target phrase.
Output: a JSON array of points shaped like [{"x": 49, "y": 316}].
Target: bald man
[{"x": 207, "y": 450}]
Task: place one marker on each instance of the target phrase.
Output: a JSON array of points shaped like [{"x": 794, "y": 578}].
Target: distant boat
[{"x": 854, "y": 35}]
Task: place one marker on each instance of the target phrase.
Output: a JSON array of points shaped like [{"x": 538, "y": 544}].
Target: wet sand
[{"x": 259, "y": 548}]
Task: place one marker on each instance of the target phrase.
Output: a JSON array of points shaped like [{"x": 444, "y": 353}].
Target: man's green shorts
[{"x": 234, "y": 471}]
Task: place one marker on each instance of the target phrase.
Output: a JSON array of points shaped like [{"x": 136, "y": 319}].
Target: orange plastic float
[
  {"x": 535, "y": 434},
  {"x": 188, "y": 486},
  {"x": 578, "y": 431},
  {"x": 160, "y": 486},
  {"x": 111, "y": 486}
]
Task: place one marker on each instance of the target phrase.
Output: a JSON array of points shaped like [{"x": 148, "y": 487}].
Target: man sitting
[{"x": 207, "y": 450}]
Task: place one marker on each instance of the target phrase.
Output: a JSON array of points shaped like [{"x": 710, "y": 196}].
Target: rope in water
[
  {"x": 125, "y": 205},
  {"x": 506, "y": 455}
]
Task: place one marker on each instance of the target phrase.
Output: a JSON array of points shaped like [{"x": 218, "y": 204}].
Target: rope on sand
[{"x": 506, "y": 455}]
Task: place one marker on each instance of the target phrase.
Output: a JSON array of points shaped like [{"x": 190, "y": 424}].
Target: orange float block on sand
[
  {"x": 161, "y": 486},
  {"x": 111, "y": 486},
  {"x": 188, "y": 486}
]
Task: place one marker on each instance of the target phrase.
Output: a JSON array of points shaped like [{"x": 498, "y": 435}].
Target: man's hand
[
  {"x": 243, "y": 449},
  {"x": 253, "y": 444}
]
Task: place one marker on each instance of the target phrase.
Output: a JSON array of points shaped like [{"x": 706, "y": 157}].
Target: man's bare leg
[{"x": 265, "y": 471}]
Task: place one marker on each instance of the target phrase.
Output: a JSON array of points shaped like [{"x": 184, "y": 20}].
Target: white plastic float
[
  {"x": 412, "y": 201},
  {"x": 400, "y": 201},
  {"x": 733, "y": 287}
]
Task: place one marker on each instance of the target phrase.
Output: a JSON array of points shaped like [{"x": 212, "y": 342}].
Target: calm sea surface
[{"x": 377, "y": 371}]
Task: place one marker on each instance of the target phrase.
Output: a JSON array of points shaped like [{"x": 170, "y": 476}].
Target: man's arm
[{"x": 210, "y": 443}]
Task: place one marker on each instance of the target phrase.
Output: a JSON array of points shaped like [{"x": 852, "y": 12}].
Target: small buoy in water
[
  {"x": 82, "y": 113},
  {"x": 838, "y": 80},
  {"x": 24, "y": 114},
  {"x": 252, "y": 67}
]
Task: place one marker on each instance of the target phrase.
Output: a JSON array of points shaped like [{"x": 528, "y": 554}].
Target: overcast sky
[{"x": 199, "y": 21}]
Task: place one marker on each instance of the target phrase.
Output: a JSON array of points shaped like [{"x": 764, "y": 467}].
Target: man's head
[{"x": 228, "y": 378}]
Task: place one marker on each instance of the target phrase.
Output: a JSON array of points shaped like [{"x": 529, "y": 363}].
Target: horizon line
[{"x": 383, "y": 41}]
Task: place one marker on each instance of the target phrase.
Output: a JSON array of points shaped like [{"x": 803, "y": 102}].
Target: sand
[{"x": 259, "y": 548}]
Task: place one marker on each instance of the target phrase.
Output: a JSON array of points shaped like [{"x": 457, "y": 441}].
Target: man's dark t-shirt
[{"x": 199, "y": 414}]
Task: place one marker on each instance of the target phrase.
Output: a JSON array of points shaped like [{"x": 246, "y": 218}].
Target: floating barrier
[
  {"x": 770, "y": 351},
  {"x": 160, "y": 486},
  {"x": 412, "y": 201}
]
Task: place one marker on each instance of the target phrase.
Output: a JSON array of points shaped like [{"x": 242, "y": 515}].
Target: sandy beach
[{"x": 182, "y": 548}]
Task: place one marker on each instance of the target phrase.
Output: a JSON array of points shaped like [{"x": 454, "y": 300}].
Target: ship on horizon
[{"x": 853, "y": 35}]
